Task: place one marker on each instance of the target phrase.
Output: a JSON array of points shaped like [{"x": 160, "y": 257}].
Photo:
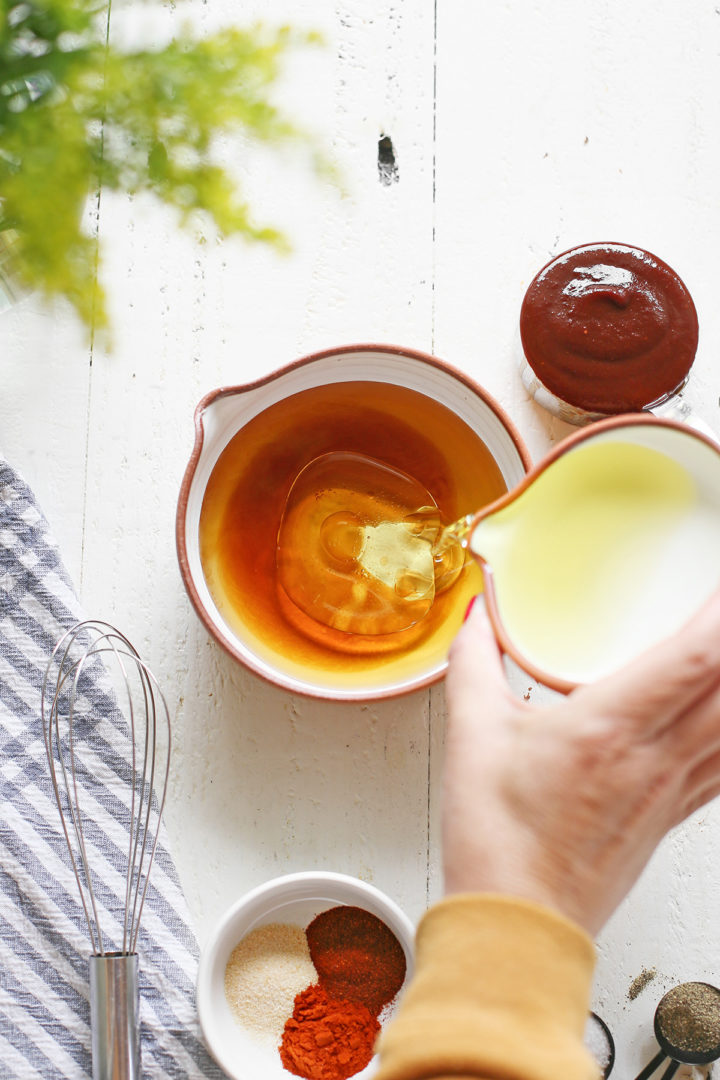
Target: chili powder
[{"x": 357, "y": 957}]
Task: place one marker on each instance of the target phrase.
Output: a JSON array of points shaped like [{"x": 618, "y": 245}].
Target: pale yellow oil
[
  {"x": 358, "y": 546},
  {"x": 608, "y": 550}
]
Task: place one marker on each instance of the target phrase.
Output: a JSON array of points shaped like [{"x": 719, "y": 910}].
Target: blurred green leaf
[{"x": 76, "y": 114}]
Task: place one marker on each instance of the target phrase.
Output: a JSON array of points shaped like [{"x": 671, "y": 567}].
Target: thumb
[{"x": 475, "y": 669}]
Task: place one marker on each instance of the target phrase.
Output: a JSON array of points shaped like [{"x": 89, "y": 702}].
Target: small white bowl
[{"x": 295, "y": 899}]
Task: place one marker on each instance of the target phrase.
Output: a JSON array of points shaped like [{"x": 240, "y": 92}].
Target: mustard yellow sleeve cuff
[{"x": 501, "y": 991}]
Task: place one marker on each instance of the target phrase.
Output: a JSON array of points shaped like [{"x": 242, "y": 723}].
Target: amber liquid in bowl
[{"x": 243, "y": 507}]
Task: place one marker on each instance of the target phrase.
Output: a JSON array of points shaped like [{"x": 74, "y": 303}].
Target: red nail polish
[{"x": 469, "y": 608}]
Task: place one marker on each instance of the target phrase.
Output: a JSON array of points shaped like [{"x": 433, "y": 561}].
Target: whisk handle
[{"x": 114, "y": 1016}]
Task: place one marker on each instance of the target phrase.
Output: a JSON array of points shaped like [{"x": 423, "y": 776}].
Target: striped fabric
[{"x": 44, "y": 942}]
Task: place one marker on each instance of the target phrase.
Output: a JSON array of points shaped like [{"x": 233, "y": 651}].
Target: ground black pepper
[
  {"x": 640, "y": 982},
  {"x": 689, "y": 1017}
]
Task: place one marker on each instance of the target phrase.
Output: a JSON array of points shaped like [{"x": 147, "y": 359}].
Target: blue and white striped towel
[{"x": 44, "y": 943}]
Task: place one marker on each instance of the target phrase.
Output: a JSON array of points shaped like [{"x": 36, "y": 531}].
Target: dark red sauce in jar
[{"x": 609, "y": 328}]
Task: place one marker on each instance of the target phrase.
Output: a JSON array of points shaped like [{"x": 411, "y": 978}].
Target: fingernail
[{"x": 469, "y": 608}]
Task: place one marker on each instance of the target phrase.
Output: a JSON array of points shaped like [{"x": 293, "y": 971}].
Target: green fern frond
[{"x": 77, "y": 114}]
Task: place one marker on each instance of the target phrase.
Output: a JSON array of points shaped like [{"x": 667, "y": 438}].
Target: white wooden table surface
[{"x": 520, "y": 129}]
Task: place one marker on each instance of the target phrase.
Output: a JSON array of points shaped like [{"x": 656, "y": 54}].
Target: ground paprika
[{"x": 326, "y": 1039}]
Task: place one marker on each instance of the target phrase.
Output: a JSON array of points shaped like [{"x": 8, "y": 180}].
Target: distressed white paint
[{"x": 521, "y": 128}]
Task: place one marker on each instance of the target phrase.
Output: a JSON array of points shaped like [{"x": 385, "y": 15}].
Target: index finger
[
  {"x": 667, "y": 679},
  {"x": 475, "y": 669}
]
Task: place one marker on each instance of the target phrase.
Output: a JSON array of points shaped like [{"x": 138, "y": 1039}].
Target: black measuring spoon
[
  {"x": 600, "y": 1043},
  {"x": 687, "y": 1028}
]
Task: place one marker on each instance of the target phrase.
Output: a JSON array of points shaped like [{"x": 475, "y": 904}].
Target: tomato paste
[{"x": 609, "y": 328}]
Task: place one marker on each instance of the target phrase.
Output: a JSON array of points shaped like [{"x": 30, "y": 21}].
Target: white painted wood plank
[
  {"x": 564, "y": 124},
  {"x": 264, "y": 784},
  {"x": 560, "y": 124},
  {"x": 43, "y": 414}
]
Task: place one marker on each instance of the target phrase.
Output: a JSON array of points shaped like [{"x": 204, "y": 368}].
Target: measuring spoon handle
[{"x": 653, "y": 1065}]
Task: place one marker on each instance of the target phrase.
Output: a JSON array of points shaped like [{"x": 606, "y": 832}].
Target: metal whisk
[{"x": 73, "y": 707}]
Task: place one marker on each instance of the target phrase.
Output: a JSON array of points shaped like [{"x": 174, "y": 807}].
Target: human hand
[{"x": 564, "y": 803}]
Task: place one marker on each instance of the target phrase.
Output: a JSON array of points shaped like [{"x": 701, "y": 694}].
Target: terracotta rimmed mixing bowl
[{"x": 224, "y": 412}]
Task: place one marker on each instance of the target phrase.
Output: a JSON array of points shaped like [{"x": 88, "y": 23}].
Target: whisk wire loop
[{"x": 147, "y": 714}]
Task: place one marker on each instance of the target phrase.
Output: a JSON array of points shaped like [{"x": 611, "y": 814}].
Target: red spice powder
[
  {"x": 326, "y": 1039},
  {"x": 357, "y": 957},
  {"x": 361, "y": 966}
]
